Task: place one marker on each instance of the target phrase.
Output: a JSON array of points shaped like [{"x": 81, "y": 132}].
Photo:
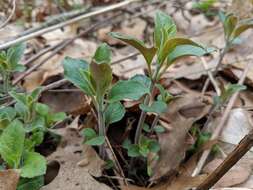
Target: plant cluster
[
  {"x": 23, "y": 126},
  {"x": 95, "y": 80}
]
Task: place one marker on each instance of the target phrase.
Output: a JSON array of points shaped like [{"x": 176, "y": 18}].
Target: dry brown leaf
[
  {"x": 238, "y": 125},
  {"x": 9, "y": 179},
  {"x": 79, "y": 49},
  {"x": 130, "y": 67},
  {"x": 78, "y": 162},
  {"x": 183, "y": 112},
  {"x": 134, "y": 27},
  {"x": 75, "y": 103},
  {"x": 180, "y": 183},
  {"x": 238, "y": 174}
]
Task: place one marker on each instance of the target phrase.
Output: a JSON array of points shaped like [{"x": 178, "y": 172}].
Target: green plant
[
  {"x": 22, "y": 128},
  {"x": 9, "y": 63},
  {"x": 167, "y": 49},
  {"x": 95, "y": 79},
  {"x": 205, "y": 6},
  {"x": 233, "y": 28}
]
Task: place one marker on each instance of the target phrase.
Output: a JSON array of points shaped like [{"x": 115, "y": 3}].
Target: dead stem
[{"x": 218, "y": 129}]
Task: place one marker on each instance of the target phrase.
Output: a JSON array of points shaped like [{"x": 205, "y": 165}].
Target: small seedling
[
  {"x": 167, "y": 49},
  {"x": 9, "y": 63},
  {"x": 226, "y": 93},
  {"x": 233, "y": 28},
  {"x": 95, "y": 80},
  {"x": 205, "y": 6}
]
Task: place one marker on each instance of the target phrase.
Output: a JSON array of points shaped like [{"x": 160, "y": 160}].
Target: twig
[
  {"x": 59, "y": 47},
  {"x": 34, "y": 67},
  {"x": 40, "y": 53},
  {"x": 218, "y": 66},
  {"x": 130, "y": 56},
  {"x": 218, "y": 129},
  {"x": 154, "y": 124},
  {"x": 210, "y": 75},
  {"x": 241, "y": 149},
  {"x": 54, "y": 20},
  {"x": 11, "y": 15},
  {"x": 68, "y": 22}
]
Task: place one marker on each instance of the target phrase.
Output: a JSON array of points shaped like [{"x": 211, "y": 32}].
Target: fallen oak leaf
[
  {"x": 9, "y": 179},
  {"x": 78, "y": 162},
  {"x": 183, "y": 112}
]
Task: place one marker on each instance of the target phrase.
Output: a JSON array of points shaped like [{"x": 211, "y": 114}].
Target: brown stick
[{"x": 241, "y": 149}]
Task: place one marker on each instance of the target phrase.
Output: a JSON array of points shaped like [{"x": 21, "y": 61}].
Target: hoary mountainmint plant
[
  {"x": 23, "y": 126},
  {"x": 95, "y": 80}
]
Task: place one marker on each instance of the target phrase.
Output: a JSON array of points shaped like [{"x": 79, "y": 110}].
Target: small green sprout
[
  {"x": 22, "y": 128},
  {"x": 9, "y": 63},
  {"x": 95, "y": 80},
  {"x": 167, "y": 49}
]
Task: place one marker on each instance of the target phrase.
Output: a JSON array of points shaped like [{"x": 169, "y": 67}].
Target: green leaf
[
  {"x": 96, "y": 141},
  {"x": 146, "y": 128},
  {"x": 103, "y": 54},
  {"x": 164, "y": 96},
  {"x": 14, "y": 55},
  {"x": 77, "y": 72},
  {"x": 171, "y": 44},
  {"x": 229, "y": 90},
  {"x": 7, "y": 114},
  {"x": 159, "y": 129},
  {"x": 143, "y": 150},
  {"x": 204, "y": 5},
  {"x": 42, "y": 109},
  {"x": 34, "y": 165},
  {"x": 91, "y": 137},
  {"x": 126, "y": 144},
  {"x": 143, "y": 79},
  {"x": 156, "y": 107},
  {"x": 165, "y": 28},
  {"x": 154, "y": 146},
  {"x": 31, "y": 183},
  {"x": 242, "y": 28},
  {"x": 186, "y": 50},
  {"x": 89, "y": 133},
  {"x": 148, "y": 53},
  {"x": 229, "y": 25},
  {"x": 129, "y": 89},
  {"x": 133, "y": 150},
  {"x": 102, "y": 77},
  {"x": 56, "y": 117},
  {"x": 114, "y": 112},
  {"x": 12, "y": 143}
]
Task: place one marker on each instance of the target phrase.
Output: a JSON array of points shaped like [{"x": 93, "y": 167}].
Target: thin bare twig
[
  {"x": 223, "y": 120},
  {"x": 11, "y": 15},
  {"x": 68, "y": 22},
  {"x": 210, "y": 75}
]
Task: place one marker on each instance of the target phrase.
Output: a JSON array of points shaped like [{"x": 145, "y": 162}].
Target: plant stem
[
  {"x": 6, "y": 80},
  {"x": 143, "y": 116},
  {"x": 155, "y": 121},
  {"x": 101, "y": 129},
  {"x": 222, "y": 55},
  {"x": 146, "y": 102}
]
